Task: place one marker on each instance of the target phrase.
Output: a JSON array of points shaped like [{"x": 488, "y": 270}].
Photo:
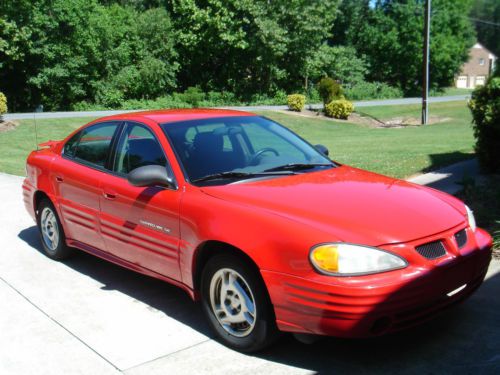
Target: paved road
[
  {"x": 87, "y": 316},
  {"x": 369, "y": 103}
]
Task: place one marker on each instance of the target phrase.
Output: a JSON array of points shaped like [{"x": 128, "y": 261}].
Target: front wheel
[{"x": 235, "y": 301}]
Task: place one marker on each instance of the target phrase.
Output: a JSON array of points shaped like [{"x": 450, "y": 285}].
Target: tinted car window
[
  {"x": 137, "y": 147},
  {"x": 70, "y": 146},
  {"x": 237, "y": 144},
  {"x": 94, "y": 144}
]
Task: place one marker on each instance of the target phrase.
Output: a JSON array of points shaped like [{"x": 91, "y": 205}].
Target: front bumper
[{"x": 371, "y": 305}]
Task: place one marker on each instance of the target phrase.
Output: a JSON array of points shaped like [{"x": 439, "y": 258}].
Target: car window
[
  {"x": 261, "y": 138},
  {"x": 195, "y": 130},
  {"x": 70, "y": 146},
  {"x": 94, "y": 144},
  {"x": 137, "y": 147},
  {"x": 246, "y": 144}
]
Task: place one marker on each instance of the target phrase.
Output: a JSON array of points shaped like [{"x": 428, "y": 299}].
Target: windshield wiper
[
  {"x": 239, "y": 175},
  {"x": 298, "y": 166}
]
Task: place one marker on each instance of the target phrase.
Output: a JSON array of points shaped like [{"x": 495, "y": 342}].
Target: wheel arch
[
  {"x": 38, "y": 197},
  {"x": 209, "y": 249}
]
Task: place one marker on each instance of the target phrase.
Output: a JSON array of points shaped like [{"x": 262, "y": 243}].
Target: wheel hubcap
[
  {"x": 50, "y": 229},
  {"x": 232, "y": 302}
]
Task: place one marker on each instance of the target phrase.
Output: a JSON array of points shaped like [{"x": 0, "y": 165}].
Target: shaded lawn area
[
  {"x": 395, "y": 152},
  {"x": 484, "y": 199}
]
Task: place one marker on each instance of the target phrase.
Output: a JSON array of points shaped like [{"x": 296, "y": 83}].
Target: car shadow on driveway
[
  {"x": 464, "y": 339},
  {"x": 160, "y": 295}
]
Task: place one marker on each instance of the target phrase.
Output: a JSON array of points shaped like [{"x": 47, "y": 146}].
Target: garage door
[
  {"x": 480, "y": 80},
  {"x": 462, "y": 82}
]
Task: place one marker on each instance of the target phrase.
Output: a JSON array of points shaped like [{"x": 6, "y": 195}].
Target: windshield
[{"x": 223, "y": 149}]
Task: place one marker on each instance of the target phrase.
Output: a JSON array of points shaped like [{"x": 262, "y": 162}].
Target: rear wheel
[
  {"x": 236, "y": 304},
  {"x": 51, "y": 232}
]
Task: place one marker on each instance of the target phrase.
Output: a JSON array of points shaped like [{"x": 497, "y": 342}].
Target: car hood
[{"x": 351, "y": 204}]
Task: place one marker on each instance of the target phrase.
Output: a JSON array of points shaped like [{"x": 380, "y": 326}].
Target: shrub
[
  {"x": 339, "y": 109},
  {"x": 313, "y": 94},
  {"x": 372, "y": 90},
  {"x": 109, "y": 96},
  {"x": 485, "y": 108},
  {"x": 221, "y": 98},
  {"x": 87, "y": 106},
  {"x": 192, "y": 95},
  {"x": 329, "y": 90},
  {"x": 296, "y": 102},
  {"x": 279, "y": 98},
  {"x": 3, "y": 105}
]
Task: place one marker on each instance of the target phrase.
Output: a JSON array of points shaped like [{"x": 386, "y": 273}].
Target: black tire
[
  {"x": 244, "y": 337},
  {"x": 57, "y": 248}
]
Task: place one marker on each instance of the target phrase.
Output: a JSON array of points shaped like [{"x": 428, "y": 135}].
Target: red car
[{"x": 262, "y": 227}]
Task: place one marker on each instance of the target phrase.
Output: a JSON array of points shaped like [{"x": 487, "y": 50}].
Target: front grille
[
  {"x": 431, "y": 250},
  {"x": 461, "y": 238}
]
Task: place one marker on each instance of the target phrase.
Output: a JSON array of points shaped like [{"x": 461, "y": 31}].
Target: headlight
[
  {"x": 470, "y": 218},
  {"x": 341, "y": 259}
]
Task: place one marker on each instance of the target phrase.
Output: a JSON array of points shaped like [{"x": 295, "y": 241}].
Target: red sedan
[{"x": 262, "y": 227}]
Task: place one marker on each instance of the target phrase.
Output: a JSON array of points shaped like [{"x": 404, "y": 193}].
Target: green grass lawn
[
  {"x": 454, "y": 91},
  {"x": 395, "y": 152},
  {"x": 398, "y": 152},
  {"x": 15, "y": 145}
]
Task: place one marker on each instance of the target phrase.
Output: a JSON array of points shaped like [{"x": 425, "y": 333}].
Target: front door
[{"x": 140, "y": 224}]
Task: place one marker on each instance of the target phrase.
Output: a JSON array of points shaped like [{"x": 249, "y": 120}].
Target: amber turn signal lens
[{"x": 326, "y": 257}]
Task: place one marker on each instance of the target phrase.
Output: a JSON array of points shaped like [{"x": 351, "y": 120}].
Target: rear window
[{"x": 92, "y": 144}]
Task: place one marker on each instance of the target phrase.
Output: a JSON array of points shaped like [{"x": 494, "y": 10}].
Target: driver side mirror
[
  {"x": 322, "y": 149},
  {"x": 151, "y": 175}
]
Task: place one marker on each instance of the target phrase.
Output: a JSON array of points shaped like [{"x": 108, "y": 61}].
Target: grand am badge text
[{"x": 154, "y": 226}]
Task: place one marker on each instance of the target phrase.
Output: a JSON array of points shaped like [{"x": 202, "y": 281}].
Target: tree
[
  {"x": 486, "y": 17},
  {"x": 249, "y": 46},
  {"x": 59, "y": 52},
  {"x": 339, "y": 62},
  {"x": 391, "y": 38}
]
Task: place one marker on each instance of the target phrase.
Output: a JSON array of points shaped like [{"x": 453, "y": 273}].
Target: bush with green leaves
[
  {"x": 340, "y": 109},
  {"x": 329, "y": 90},
  {"x": 192, "y": 95},
  {"x": 372, "y": 90},
  {"x": 3, "y": 104},
  {"x": 485, "y": 108},
  {"x": 296, "y": 102}
]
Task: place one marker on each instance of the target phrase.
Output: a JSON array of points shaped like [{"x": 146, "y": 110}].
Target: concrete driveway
[{"x": 86, "y": 316}]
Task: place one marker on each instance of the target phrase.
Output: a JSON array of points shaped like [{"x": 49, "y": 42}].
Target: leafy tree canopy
[{"x": 62, "y": 52}]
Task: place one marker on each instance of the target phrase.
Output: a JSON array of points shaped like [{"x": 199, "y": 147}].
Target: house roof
[{"x": 480, "y": 46}]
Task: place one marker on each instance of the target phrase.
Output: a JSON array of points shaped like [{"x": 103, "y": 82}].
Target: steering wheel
[{"x": 258, "y": 153}]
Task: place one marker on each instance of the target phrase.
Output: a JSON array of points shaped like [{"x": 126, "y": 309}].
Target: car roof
[{"x": 175, "y": 115}]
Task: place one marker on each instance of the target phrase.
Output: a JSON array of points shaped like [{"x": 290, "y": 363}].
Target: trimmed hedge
[
  {"x": 485, "y": 108},
  {"x": 3, "y": 104},
  {"x": 340, "y": 109},
  {"x": 296, "y": 102}
]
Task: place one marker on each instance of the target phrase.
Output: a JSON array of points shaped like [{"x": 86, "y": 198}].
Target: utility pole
[{"x": 425, "y": 85}]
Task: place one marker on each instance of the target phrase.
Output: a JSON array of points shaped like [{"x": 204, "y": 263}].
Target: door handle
[
  {"x": 109, "y": 195},
  {"x": 59, "y": 179}
]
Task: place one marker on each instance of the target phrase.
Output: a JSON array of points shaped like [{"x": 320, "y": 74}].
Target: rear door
[
  {"x": 140, "y": 224},
  {"x": 78, "y": 175}
]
